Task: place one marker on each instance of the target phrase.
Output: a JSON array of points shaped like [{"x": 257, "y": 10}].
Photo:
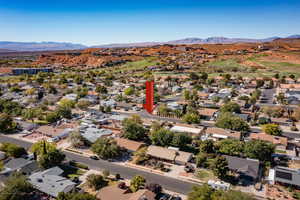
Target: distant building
[{"x": 30, "y": 71}]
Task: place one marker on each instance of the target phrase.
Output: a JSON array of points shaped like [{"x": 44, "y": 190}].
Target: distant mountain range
[
  {"x": 39, "y": 46},
  {"x": 54, "y": 46}
]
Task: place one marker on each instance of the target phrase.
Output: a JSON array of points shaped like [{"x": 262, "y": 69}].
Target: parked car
[
  {"x": 176, "y": 198},
  {"x": 164, "y": 197},
  {"x": 189, "y": 168},
  {"x": 94, "y": 158}
]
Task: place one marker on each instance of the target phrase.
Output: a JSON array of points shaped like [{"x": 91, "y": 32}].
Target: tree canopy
[
  {"x": 106, "y": 148},
  {"x": 13, "y": 150},
  {"x": 205, "y": 192},
  {"x": 75, "y": 196},
  {"x": 7, "y": 124},
  {"x": 231, "y": 107},
  {"x": 137, "y": 183},
  {"x": 16, "y": 188},
  {"x": 272, "y": 129},
  {"x": 133, "y": 129},
  {"x": 229, "y": 121}
]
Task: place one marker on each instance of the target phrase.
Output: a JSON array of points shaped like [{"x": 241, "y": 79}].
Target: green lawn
[
  {"x": 71, "y": 172},
  {"x": 204, "y": 174},
  {"x": 136, "y": 65}
]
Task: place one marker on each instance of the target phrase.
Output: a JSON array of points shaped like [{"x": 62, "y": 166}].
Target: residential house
[
  {"x": 22, "y": 165},
  {"x": 51, "y": 182},
  {"x": 282, "y": 121},
  {"x": 208, "y": 113},
  {"x": 116, "y": 193},
  {"x": 248, "y": 169},
  {"x": 284, "y": 175},
  {"x": 92, "y": 133},
  {"x": 129, "y": 145},
  {"x": 169, "y": 154},
  {"x": 215, "y": 133},
  {"x": 280, "y": 142},
  {"x": 182, "y": 128}
]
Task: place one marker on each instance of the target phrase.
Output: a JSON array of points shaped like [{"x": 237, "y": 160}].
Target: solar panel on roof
[{"x": 284, "y": 175}]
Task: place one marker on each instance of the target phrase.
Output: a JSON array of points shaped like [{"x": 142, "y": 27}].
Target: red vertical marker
[{"x": 149, "y": 105}]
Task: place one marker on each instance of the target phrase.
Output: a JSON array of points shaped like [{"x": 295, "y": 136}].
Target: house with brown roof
[
  {"x": 5, "y": 70},
  {"x": 203, "y": 95},
  {"x": 49, "y": 131},
  {"x": 169, "y": 154},
  {"x": 280, "y": 142},
  {"x": 282, "y": 121},
  {"x": 116, "y": 193},
  {"x": 215, "y": 133},
  {"x": 129, "y": 145},
  {"x": 208, "y": 113}
]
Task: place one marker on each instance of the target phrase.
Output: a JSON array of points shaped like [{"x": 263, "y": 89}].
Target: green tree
[
  {"x": 52, "y": 117},
  {"x": 75, "y": 196},
  {"x": 129, "y": 91},
  {"x": 191, "y": 118},
  {"x": 51, "y": 159},
  {"x": 201, "y": 160},
  {"x": 181, "y": 140},
  {"x": 42, "y": 147},
  {"x": 6, "y": 123},
  {"x": 67, "y": 103},
  {"x": 231, "y": 195},
  {"x": 101, "y": 89},
  {"x": 10, "y": 107},
  {"x": 203, "y": 192},
  {"x": 16, "y": 188},
  {"x": 231, "y": 107},
  {"x": 206, "y": 146},
  {"x": 220, "y": 167},
  {"x": 272, "y": 129},
  {"x": 258, "y": 149},
  {"x": 77, "y": 140},
  {"x": 281, "y": 98},
  {"x": 161, "y": 137},
  {"x": 29, "y": 114},
  {"x": 186, "y": 95},
  {"x": 141, "y": 155},
  {"x": 96, "y": 181},
  {"x": 229, "y": 121},
  {"x": 83, "y": 105},
  {"x": 106, "y": 148},
  {"x": 13, "y": 150},
  {"x": 64, "y": 112},
  {"x": 230, "y": 147},
  {"x": 133, "y": 129},
  {"x": 137, "y": 183}
]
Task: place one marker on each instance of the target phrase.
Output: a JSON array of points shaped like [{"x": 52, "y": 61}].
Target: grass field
[
  {"x": 136, "y": 65},
  {"x": 205, "y": 175}
]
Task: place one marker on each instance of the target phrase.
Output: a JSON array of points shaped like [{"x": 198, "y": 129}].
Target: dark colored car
[{"x": 94, "y": 157}]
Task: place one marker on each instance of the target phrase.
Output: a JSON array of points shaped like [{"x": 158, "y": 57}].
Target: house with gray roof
[
  {"x": 248, "y": 169},
  {"x": 51, "y": 182},
  {"x": 22, "y": 165},
  {"x": 92, "y": 134}
]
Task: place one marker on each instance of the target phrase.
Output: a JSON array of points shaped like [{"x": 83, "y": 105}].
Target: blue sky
[{"x": 93, "y": 22}]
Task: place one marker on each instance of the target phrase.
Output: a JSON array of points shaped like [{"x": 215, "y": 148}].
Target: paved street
[{"x": 168, "y": 183}]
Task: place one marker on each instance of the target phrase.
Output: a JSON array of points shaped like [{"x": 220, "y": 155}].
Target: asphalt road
[{"x": 168, "y": 183}]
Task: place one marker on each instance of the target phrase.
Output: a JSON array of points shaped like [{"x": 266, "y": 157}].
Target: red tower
[{"x": 149, "y": 104}]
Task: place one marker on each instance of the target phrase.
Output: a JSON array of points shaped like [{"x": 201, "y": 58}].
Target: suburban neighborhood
[{"x": 150, "y": 100}]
